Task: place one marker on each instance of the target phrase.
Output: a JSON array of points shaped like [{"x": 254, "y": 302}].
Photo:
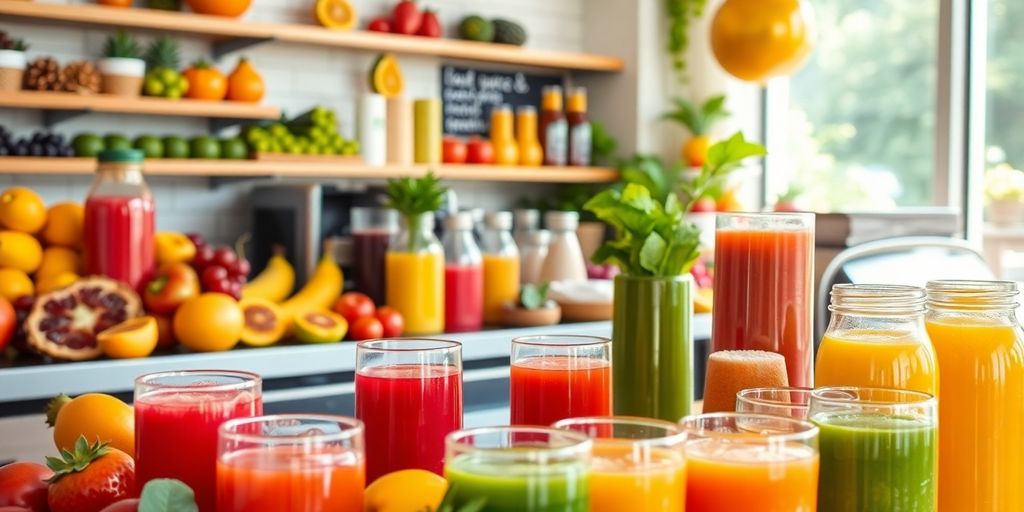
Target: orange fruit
[
  {"x": 20, "y": 251},
  {"x": 55, "y": 282},
  {"x": 14, "y": 284},
  {"x": 405, "y": 490},
  {"x": 336, "y": 14},
  {"x": 756, "y": 40},
  {"x": 64, "y": 222},
  {"x": 93, "y": 415},
  {"x": 23, "y": 210},
  {"x": 695, "y": 151},
  {"x": 58, "y": 260},
  {"x": 135, "y": 337},
  {"x": 172, "y": 247},
  {"x": 211, "y": 322}
]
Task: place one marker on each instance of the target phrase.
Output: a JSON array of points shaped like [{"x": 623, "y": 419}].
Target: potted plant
[
  {"x": 699, "y": 121},
  {"x": 12, "y": 62},
  {"x": 533, "y": 308},
  {"x": 1004, "y": 195},
  {"x": 654, "y": 247},
  {"x": 122, "y": 68}
]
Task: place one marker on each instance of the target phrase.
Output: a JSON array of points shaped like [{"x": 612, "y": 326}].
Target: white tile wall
[{"x": 297, "y": 76}]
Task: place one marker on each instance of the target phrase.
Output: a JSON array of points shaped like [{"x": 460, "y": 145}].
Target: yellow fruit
[
  {"x": 20, "y": 251},
  {"x": 23, "y": 210},
  {"x": 94, "y": 416},
  {"x": 404, "y": 491},
  {"x": 755, "y": 40},
  {"x": 56, "y": 282},
  {"x": 336, "y": 14},
  {"x": 264, "y": 322},
  {"x": 274, "y": 283},
  {"x": 15, "y": 284},
  {"x": 695, "y": 151},
  {"x": 135, "y": 337},
  {"x": 386, "y": 76},
  {"x": 64, "y": 223},
  {"x": 320, "y": 291},
  {"x": 211, "y": 322},
  {"x": 173, "y": 247},
  {"x": 703, "y": 300},
  {"x": 58, "y": 260}
]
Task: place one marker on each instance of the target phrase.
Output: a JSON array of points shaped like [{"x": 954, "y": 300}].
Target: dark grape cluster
[
  {"x": 41, "y": 143},
  {"x": 220, "y": 269}
]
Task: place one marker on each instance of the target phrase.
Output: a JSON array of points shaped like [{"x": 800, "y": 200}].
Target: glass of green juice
[
  {"x": 879, "y": 449},
  {"x": 776, "y": 401},
  {"x": 518, "y": 469}
]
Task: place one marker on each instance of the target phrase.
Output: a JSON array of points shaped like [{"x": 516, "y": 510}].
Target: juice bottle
[
  {"x": 506, "y": 149},
  {"x": 530, "y": 150},
  {"x": 554, "y": 130},
  {"x": 372, "y": 229},
  {"x": 463, "y": 275},
  {"x": 876, "y": 338},
  {"x": 501, "y": 266},
  {"x": 580, "y": 135},
  {"x": 119, "y": 220},
  {"x": 980, "y": 348},
  {"x": 414, "y": 276}
]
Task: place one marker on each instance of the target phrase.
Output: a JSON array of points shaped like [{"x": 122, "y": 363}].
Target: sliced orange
[
  {"x": 386, "y": 76},
  {"x": 136, "y": 337},
  {"x": 336, "y": 14}
]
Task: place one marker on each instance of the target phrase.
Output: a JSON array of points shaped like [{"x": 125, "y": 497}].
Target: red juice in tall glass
[
  {"x": 547, "y": 389},
  {"x": 408, "y": 409},
  {"x": 763, "y": 296},
  {"x": 176, "y": 434},
  {"x": 463, "y": 298}
]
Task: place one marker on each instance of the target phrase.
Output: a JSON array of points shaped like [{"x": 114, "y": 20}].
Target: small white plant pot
[
  {"x": 12, "y": 70},
  {"x": 122, "y": 77},
  {"x": 1005, "y": 212}
]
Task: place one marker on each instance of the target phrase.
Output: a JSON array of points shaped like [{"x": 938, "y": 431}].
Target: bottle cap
[
  {"x": 121, "y": 155},
  {"x": 561, "y": 221},
  {"x": 459, "y": 221},
  {"x": 499, "y": 220},
  {"x": 526, "y": 219}
]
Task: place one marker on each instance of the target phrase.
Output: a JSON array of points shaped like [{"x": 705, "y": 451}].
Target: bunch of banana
[
  {"x": 275, "y": 282},
  {"x": 322, "y": 289}
]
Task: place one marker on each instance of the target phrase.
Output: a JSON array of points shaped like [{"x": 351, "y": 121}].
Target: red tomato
[
  {"x": 23, "y": 484},
  {"x": 131, "y": 505},
  {"x": 353, "y": 306},
  {"x": 453, "y": 150},
  {"x": 380, "y": 24},
  {"x": 366, "y": 328},
  {"x": 704, "y": 205},
  {"x": 391, "y": 321},
  {"x": 173, "y": 284},
  {"x": 479, "y": 151},
  {"x": 8, "y": 321},
  {"x": 407, "y": 18},
  {"x": 430, "y": 26}
]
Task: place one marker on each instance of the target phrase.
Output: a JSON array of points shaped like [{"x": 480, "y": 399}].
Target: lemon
[
  {"x": 405, "y": 490},
  {"x": 55, "y": 282},
  {"x": 136, "y": 337},
  {"x": 14, "y": 284},
  {"x": 20, "y": 251}
]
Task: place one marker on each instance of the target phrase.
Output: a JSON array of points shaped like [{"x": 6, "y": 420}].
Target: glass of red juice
[
  {"x": 559, "y": 377},
  {"x": 372, "y": 229},
  {"x": 291, "y": 462},
  {"x": 409, "y": 396},
  {"x": 177, "y": 415},
  {"x": 764, "y": 279}
]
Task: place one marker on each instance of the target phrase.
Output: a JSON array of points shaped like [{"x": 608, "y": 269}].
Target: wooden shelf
[
  {"x": 309, "y": 169},
  {"x": 72, "y": 102},
  {"x": 232, "y": 34}
]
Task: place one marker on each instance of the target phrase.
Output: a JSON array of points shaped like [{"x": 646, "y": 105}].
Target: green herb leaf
[
  {"x": 414, "y": 196},
  {"x": 534, "y": 296},
  {"x": 652, "y": 253},
  {"x": 167, "y": 495},
  {"x": 723, "y": 158}
]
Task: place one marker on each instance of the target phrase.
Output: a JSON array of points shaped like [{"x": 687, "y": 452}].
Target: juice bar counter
[{"x": 297, "y": 378}]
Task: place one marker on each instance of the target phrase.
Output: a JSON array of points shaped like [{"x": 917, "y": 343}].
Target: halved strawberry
[{"x": 90, "y": 478}]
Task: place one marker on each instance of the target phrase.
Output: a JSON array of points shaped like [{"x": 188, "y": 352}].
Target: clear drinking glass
[
  {"x": 409, "y": 395},
  {"x": 558, "y": 377},
  {"x": 636, "y": 463},
  {"x": 764, "y": 279},
  {"x": 743, "y": 461},
  {"x": 519, "y": 469},
  {"x": 879, "y": 449},
  {"x": 372, "y": 229},
  {"x": 787, "y": 402},
  {"x": 309, "y": 461},
  {"x": 177, "y": 415}
]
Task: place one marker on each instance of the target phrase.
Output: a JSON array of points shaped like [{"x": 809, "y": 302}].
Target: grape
[
  {"x": 203, "y": 257},
  {"x": 215, "y": 279},
  {"x": 226, "y": 258},
  {"x": 242, "y": 268},
  {"x": 196, "y": 239}
]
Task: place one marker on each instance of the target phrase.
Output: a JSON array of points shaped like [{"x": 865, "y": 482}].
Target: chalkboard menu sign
[{"x": 468, "y": 95}]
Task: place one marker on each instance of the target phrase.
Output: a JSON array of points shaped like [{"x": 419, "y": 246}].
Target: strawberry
[
  {"x": 406, "y": 18},
  {"x": 430, "y": 26},
  {"x": 90, "y": 478}
]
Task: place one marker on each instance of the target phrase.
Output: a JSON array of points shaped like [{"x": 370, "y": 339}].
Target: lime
[
  {"x": 153, "y": 86},
  {"x": 87, "y": 144},
  {"x": 350, "y": 147},
  {"x": 168, "y": 76},
  {"x": 173, "y": 93},
  {"x": 176, "y": 147},
  {"x": 234, "y": 149},
  {"x": 151, "y": 146},
  {"x": 116, "y": 141},
  {"x": 205, "y": 147}
]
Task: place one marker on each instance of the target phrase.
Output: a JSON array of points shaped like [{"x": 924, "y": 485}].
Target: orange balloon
[{"x": 755, "y": 40}]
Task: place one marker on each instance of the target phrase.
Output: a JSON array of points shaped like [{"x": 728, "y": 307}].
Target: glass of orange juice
[
  {"x": 780, "y": 401},
  {"x": 744, "y": 461},
  {"x": 291, "y": 462},
  {"x": 635, "y": 464}
]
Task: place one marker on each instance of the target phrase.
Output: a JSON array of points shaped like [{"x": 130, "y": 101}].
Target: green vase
[{"x": 652, "y": 347}]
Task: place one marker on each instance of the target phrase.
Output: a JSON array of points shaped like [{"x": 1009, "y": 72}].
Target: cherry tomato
[
  {"x": 8, "y": 320},
  {"x": 23, "y": 484},
  {"x": 381, "y": 24},
  {"x": 366, "y": 328},
  {"x": 479, "y": 151},
  {"x": 453, "y": 150},
  {"x": 354, "y": 305},
  {"x": 391, "y": 320}
]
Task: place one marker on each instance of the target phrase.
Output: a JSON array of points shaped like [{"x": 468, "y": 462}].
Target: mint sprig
[{"x": 534, "y": 296}]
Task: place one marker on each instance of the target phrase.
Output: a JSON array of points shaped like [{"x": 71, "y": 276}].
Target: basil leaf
[
  {"x": 167, "y": 495},
  {"x": 652, "y": 253}
]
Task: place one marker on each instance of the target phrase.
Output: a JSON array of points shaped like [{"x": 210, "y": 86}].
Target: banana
[
  {"x": 275, "y": 282},
  {"x": 320, "y": 291}
]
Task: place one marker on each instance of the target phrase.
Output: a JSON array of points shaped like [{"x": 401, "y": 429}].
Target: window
[
  {"x": 1004, "y": 112},
  {"x": 855, "y": 127}
]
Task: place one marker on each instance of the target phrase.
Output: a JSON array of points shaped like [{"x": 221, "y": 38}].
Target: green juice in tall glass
[
  {"x": 873, "y": 462},
  {"x": 558, "y": 487}
]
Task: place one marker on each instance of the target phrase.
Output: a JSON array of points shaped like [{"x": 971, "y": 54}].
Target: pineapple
[
  {"x": 698, "y": 121},
  {"x": 122, "y": 45},
  {"x": 163, "y": 78}
]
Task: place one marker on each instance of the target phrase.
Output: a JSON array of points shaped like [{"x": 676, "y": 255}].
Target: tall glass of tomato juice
[
  {"x": 764, "y": 278},
  {"x": 558, "y": 377}
]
